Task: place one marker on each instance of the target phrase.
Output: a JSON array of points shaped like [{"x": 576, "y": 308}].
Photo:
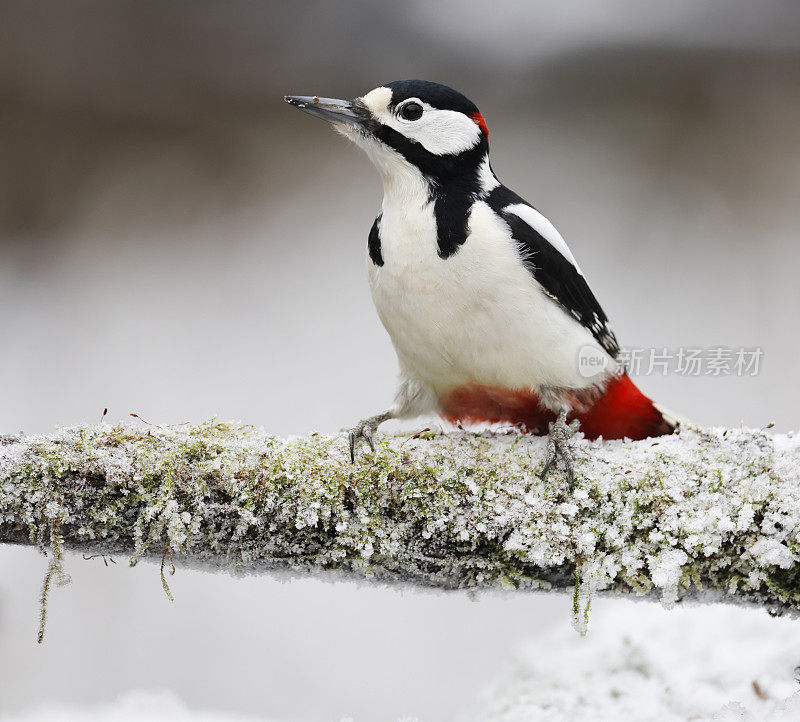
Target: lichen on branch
[{"x": 705, "y": 513}]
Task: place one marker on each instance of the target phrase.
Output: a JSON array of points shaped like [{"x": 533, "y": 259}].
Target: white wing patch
[{"x": 544, "y": 228}]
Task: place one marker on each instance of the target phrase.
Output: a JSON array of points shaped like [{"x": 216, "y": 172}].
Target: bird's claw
[
  {"x": 364, "y": 431},
  {"x": 558, "y": 445}
]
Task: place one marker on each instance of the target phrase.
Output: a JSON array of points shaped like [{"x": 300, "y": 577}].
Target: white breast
[{"x": 475, "y": 317}]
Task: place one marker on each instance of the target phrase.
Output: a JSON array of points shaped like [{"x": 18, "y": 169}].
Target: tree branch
[{"x": 703, "y": 514}]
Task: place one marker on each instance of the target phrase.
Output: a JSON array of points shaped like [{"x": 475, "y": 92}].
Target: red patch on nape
[{"x": 478, "y": 118}]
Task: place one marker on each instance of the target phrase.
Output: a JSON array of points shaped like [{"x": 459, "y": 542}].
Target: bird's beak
[{"x": 336, "y": 111}]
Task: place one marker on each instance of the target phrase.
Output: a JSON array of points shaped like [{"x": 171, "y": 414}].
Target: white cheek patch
[{"x": 441, "y": 132}]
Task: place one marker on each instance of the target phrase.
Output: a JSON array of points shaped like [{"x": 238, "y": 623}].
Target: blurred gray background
[{"x": 175, "y": 242}]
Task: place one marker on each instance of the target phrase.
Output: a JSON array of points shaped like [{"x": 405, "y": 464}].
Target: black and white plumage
[
  {"x": 486, "y": 306},
  {"x": 552, "y": 264}
]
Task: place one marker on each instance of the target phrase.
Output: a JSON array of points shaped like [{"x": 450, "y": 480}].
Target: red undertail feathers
[{"x": 621, "y": 411}]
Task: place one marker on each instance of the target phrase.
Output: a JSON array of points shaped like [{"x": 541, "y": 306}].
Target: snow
[
  {"x": 711, "y": 514},
  {"x": 135, "y": 706},
  {"x": 641, "y": 663},
  {"x": 638, "y": 663},
  {"x": 705, "y": 515},
  {"x": 665, "y": 571}
]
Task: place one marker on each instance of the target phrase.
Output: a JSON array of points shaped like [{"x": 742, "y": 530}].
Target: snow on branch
[{"x": 709, "y": 514}]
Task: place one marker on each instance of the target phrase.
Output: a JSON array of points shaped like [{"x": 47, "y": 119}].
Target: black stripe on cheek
[
  {"x": 441, "y": 168},
  {"x": 374, "y": 243},
  {"x": 451, "y": 211}
]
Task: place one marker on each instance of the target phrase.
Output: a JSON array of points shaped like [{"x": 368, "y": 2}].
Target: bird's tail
[{"x": 624, "y": 411}]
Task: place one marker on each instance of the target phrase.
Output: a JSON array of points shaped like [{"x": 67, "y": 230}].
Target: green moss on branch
[{"x": 704, "y": 513}]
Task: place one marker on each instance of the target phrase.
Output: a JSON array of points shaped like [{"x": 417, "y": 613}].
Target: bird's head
[{"x": 410, "y": 124}]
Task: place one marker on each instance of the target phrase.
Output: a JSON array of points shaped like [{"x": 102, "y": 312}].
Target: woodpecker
[{"x": 489, "y": 313}]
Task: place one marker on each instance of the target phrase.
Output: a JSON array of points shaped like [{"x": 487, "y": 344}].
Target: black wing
[{"x": 555, "y": 273}]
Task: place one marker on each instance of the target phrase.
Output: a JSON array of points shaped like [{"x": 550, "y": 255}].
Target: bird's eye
[{"x": 411, "y": 111}]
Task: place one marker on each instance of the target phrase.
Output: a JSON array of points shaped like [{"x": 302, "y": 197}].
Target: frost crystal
[{"x": 712, "y": 514}]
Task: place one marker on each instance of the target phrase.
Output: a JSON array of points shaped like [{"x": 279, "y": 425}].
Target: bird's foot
[
  {"x": 558, "y": 445},
  {"x": 364, "y": 431}
]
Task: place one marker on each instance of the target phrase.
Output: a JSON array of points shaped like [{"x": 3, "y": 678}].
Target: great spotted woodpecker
[{"x": 489, "y": 313}]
